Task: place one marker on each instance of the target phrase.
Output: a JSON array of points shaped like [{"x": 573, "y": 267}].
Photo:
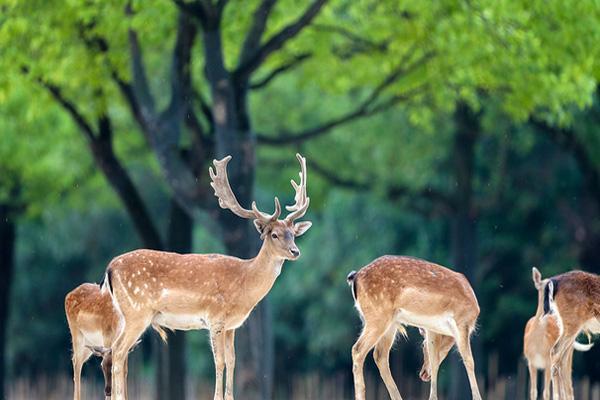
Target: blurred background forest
[{"x": 462, "y": 132}]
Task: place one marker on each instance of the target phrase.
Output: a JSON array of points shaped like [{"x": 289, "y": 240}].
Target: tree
[
  {"x": 423, "y": 58},
  {"x": 27, "y": 187}
]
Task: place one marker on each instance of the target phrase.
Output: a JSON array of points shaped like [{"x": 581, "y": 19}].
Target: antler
[
  {"x": 302, "y": 201},
  {"x": 227, "y": 200}
]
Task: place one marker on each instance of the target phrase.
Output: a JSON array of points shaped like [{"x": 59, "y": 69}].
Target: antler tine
[
  {"x": 301, "y": 199},
  {"x": 227, "y": 199},
  {"x": 271, "y": 217}
]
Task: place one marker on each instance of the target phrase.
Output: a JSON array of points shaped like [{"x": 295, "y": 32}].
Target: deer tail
[
  {"x": 582, "y": 347},
  {"x": 351, "y": 279},
  {"x": 549, "y": 293},
  {"x": 107, "y": 281},
  {"x": 161, "y": 332}
]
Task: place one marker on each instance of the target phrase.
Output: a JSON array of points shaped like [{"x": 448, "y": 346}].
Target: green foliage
[
  {"x": 40, "y": 163},
  {"x": 507, "y": 59}
]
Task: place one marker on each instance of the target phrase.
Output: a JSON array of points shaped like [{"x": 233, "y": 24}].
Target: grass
[{"x": 299, "y": 388}]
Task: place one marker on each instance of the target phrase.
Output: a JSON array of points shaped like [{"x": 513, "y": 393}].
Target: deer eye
[{"x": 274, "y": 235}]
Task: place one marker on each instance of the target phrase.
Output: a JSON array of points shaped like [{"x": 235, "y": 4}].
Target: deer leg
[
  {"x": 464, "y": 348},
  {"x": 368, "y": 338},
  {"x": 80, "y": 356},
  {"x": 532, "y": 381},
  {"x": 217, "y": 340},
  {"x": 120, "y": 351},
  {"x": 229, "y": 362},
  {"x": 559, "y": 355},
  {"x": 437, "y": 347},
  {"x": 547, "y": 382},
  {"x": 125, "y": 373},
  {"x": 568, "y": 374},
  {"x": 107, "y": 372},
  {"x": 381, "y": 354},
  {"x": 425, "y": 373}
]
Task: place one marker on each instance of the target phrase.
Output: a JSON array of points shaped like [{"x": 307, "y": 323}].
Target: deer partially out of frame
[
  {"x": 577, "y": 298},
  {"x": 93, "y": 322},
  {"x": 542, "y": 333},
  {"x": 204, "y": 291},
  {"x": 395, "y": 291}
]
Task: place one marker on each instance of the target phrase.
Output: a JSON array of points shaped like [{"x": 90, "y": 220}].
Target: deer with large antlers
[
  {"x": 577, "y": 298},
  {"x": 93, "y": 324},
  {"x": 394, "y": 291},
  {"x": 542, "y": 333},
  {"x": 204, "y": 291}
]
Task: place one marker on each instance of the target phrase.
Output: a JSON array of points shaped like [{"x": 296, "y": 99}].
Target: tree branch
[
  {"x": 361, "y": 111},
  {"x": 194, "y": 8},
  {"x": 366, "y": 108},
  {"x": 297, "y": 60},
  {"x": 141, "y": 93},
  {"x": 206, "y": 110},
  {"x": 254, "y": 35},
  {"x": 357, "y": 44},
  {"x": 101, "y": 147},
  {"x": 393, "y": 193},
  {"x": 84, "y": 126},
  {"x": 279, "y": 39},
  {"x": 181, "y": 81}
]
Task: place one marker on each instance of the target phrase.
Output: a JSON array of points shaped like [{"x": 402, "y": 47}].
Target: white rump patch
[
  {"x": 443, "y": 324},
  {"x": 93, "y": 338},
  {"x": 181, "y": 321}
]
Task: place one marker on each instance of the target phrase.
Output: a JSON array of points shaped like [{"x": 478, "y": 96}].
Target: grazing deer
[
  {"x": 542, "y": 333},
  {"x": 577, "y": 299},
  {"x": 93, "y": 322},
  {"x": 395, "y": 291},
  {"x": 204, "y": 291}
]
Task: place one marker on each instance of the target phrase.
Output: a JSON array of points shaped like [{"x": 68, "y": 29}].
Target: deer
[
  {"x": 395, "y": 291},
  {"x": 204, "y": 291},
  {"x": 577, "y": 298},
  {"x": 542, "y": 333},
  {"x": 93, "y": 323}
]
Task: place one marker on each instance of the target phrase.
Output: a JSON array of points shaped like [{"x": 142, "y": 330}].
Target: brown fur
[
  {"x": 393, "y": 291},
  {"x": 204, "y": 291},
  {"x": 542, "y": 332},
  {"x": 577, "y": 297},
  {"x": 90, "y": 309}
]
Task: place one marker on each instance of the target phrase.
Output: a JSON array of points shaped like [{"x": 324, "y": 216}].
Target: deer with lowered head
[
  {"x": 93, "y": 323},
  {"x": 394, "y": 291},
  {"x": 577, "y": 299},
  {"x": 204, "y": 291},
  {"x": 542, "y": 333}
]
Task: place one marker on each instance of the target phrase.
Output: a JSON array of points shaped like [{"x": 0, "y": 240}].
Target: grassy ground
[{"x": 307, "y": 387}]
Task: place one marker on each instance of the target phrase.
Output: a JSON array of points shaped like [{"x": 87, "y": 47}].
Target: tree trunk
[
  {"x": 464, "y": 224},
  {"x": 254, "y": 339},
  {"x": 233, "y": 136},
  {"x": 7, "y": 250},
  {"x": 171, "y": 368}
]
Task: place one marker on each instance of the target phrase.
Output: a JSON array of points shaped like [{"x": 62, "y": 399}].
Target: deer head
[{"x": 278, "y": 235}]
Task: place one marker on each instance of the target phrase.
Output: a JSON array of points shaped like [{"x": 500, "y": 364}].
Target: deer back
[
  {"x": 210, "y": 286},
  {"x": 90, "y": 310},
  {"x": 577, "y": 296},
  {"x": 414, "y": 285}
]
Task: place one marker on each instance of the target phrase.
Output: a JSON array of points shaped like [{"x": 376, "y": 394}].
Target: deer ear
[
  {"x": 537, "y": 277},
  {"x": 261, "y": 227},
  {"x": 301, "y": 227}
]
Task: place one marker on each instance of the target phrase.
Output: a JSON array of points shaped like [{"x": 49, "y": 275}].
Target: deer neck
[{"x": 264, "y": 269}]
